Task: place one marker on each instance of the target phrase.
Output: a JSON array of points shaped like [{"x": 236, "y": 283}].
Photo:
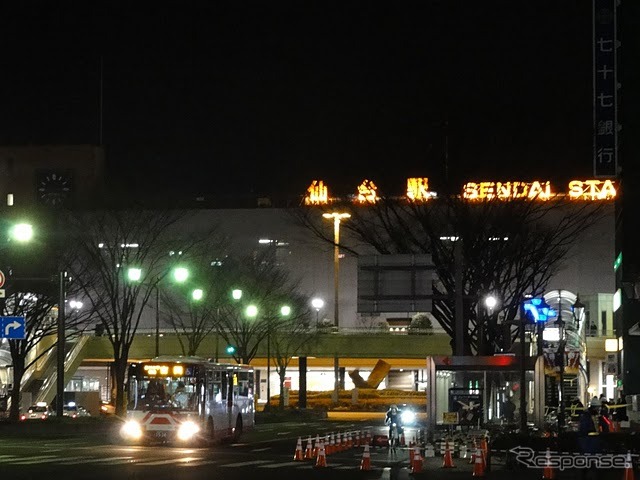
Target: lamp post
[
  {"x": 560, "y": 356},
  {"x": 490, "y": 302},
  {"x": 337, "y": 217},
  {"x": 317, "y": 303},
  {"x": 180, "y": 275},
  {"x": 23, "y": 233}
]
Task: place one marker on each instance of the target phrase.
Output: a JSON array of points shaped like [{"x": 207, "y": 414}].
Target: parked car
[
  {"x": 70, "y": 410},
  {"x": 83, "y": 412},
  {"x": 39, "y": 411}
]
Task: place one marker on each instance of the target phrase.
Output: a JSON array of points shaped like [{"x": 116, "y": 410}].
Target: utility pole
[{"x": 60, "y": 346}]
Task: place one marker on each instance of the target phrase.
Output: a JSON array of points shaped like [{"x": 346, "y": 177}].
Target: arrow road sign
[{"x": 12, "y": 327}]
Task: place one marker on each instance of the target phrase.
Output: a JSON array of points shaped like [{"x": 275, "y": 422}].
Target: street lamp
[
  {"x": 337, "y": 217},
  {"x": 21, "y": 232},
  {"x": 490, "y": 302},
  {"x": 317, "y": 303},
  {"x": 197, "y": 294},
  {"x": 180, "y": 275}
]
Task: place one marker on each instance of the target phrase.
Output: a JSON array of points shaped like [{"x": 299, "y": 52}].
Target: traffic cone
[
  {"x": 416, "y": 463},
  {"x": 308, "y": 452},
  {"x": 448, "y": 460},
  {"x": 485, "y": 449},
  {"x": 314, "y": 453},
  {"x": 356, "y": 439},
  {"x": 368, "y": 437},
  {"x": 472, "y": 457},
  {"x": 298, "y": 456},
  {"x": 349, "y": 441},
  {"x": 365, "y": 463},
  {"x": 628, "y": 468},
  {"x": 321, "y": 461},
  {"x": 331, "y": 445},
  {"x": 411, "y": 454},
  {"x": 402, "y": 439},
  {"x": 478, "y": 466},
  {"x": 547, "y": 472}
]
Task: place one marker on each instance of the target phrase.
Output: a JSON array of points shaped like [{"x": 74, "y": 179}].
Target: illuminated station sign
[{"x": 418, "y": 191}]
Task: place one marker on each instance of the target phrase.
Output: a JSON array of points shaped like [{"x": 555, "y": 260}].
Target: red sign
[{"x": 1, "y": 279}]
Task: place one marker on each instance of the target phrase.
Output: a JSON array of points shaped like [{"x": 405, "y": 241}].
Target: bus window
[
  {"x": 224, "y": 386},
  {"x": 245, "y": 384}
]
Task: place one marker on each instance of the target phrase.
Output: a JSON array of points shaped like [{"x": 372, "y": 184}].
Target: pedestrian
[
  {"x": 509, "y": 410},
  {"x": 603, "y": 420}
]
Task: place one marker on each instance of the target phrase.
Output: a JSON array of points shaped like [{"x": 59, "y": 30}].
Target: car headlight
[
  {"x": 187, "y": 430},
  {"x": 408, "y": 417},
  {"x": 131, "y": 429}
]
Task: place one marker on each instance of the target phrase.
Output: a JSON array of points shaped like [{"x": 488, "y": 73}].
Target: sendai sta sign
[{"x": 12, "y": 328}]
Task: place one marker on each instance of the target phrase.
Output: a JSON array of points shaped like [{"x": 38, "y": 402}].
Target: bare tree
[
  {"x": 265, "y": 286},
  {"x": 509, "y": 247},
  {"x": 110, "y": 245}
]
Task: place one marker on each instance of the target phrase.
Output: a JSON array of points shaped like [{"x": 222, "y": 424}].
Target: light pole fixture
[
  {"x": 337, "y": 217},
  {"x": 134, "y": 274},
  {"x": 317, "y": 303},
  {"x": 490, "y": 302},
  {"x": 180, "y": 274},
  {"x": 197, "y": 294},
  {"x": 251, "y": 311},
  {"x": 21, "y": 232},
  {"x": 285, "y": 310},
  {"x": 236, "y": 294}
]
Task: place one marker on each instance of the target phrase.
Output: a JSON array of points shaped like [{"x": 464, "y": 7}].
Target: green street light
[
  {"x": 180, "y": 274},
  {"x": 236, "y": 294},
  {"x": 252, "y": 311},
  {"x": 231, "y": 349},
  {"x": 134, "y": 274},
  {"x": 197, "y": 294},
  {"x": 285, "y": 310},
  {"x": 22, "y": 232}
]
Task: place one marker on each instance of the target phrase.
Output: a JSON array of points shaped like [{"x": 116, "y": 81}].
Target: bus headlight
[
  {"x": 187, "y": 430},
  {"x": 131, "y": 429},
  {"x": 408, "y": 417}
]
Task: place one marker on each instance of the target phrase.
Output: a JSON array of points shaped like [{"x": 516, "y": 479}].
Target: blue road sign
[{"x": 12, "y": 327}]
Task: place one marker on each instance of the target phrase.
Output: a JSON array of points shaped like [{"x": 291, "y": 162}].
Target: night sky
[{"x": 265, "y": 96}]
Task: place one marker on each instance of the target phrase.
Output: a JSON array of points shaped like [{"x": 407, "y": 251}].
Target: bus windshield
[{"x": 164, "y": 393}]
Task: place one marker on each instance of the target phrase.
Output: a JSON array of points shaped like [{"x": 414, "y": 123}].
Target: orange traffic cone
[
  {"x": 321, "y": 461},
  {"x": 298, "y": 456},
  {"x": 308, "y": 452},
  {"x": 367, "y": 438},
  {"x": 448, "y": 459},
  {"x": 472, "y": 457},
  {"x": 402, "y": 440},
  {"x": 314, "y": 453},
  {"x": 485, "y": 449},
  {"x": 411, "y": 454},
  {"x": 416, "y": 463},
  {"x": 365, "y": 463},
  {"x": 628, "y": 468},
  {"x": 478, "y": 466},
  {"x": 330, "y": 448},
  {"x": 356, "y": 439},
  {"x": 349, "y": 441},
  {"x": 547, "y": 472}
]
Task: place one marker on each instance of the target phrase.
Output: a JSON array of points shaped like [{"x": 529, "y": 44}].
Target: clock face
[{"x": 54, "y": 188}]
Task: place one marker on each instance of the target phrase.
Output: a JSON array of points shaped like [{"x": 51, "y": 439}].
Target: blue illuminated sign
[{"x": 537, "y": 310}]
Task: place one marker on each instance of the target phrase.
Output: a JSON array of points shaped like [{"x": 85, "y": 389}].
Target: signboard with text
[{"x": 605, "y": 89}]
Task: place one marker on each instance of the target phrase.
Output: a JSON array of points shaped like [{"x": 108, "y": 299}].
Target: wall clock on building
[{"x": 54, "y": 187}]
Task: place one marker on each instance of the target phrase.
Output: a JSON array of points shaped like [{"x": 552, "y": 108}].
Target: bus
[{"x": 188, "y": 400}]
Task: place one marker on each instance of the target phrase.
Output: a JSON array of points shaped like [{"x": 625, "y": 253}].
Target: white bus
[{"x": 188, "y": 400}]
